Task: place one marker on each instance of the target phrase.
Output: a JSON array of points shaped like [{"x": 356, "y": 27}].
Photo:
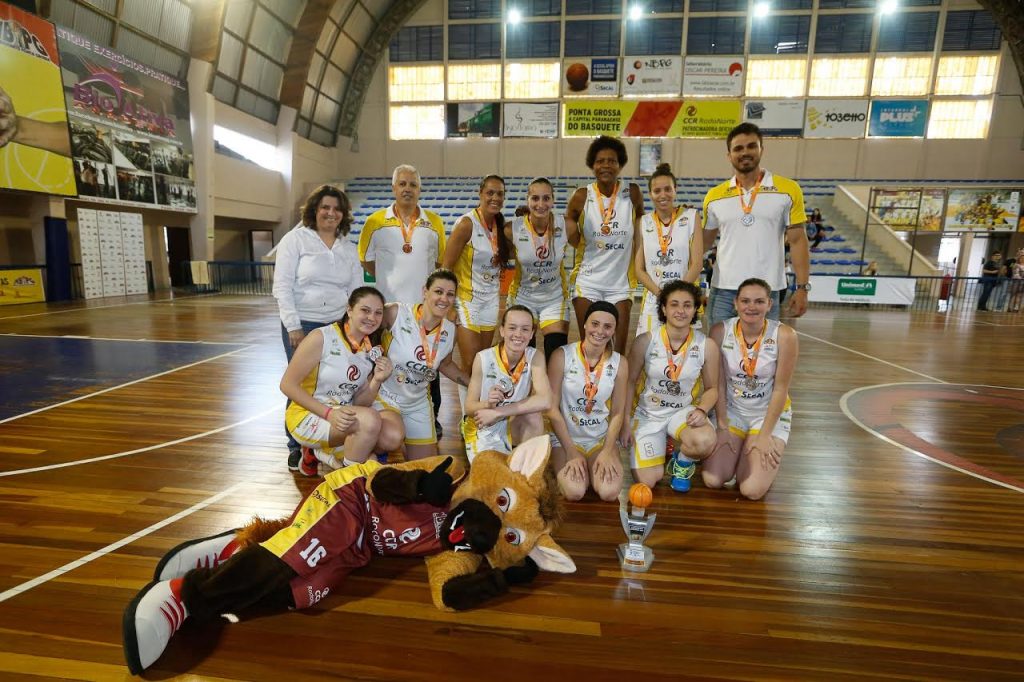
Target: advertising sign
[
  {"x": 35, "y": 153},
  {"x": 713, "y": 76},
  {"x": 652, "y": 76},
  {"x": 590, "y": 77},
  {"x": 982, "y": 209},
  {"x": 692, "y": 118},
  {"x": 707, "y": 118},
  {"x": 776, "y": 117},
  {"x": 930, "y": 216},
  {"x": 897, "y": 208},
  {"x": 21, "y": 286},
  {"x": 474, "y": 120},
  {"x": 854, "y": 289},
  {"x": 898, "y": 118},
  {"x": 523, "y": 119},
  {"x": 836, "y": 118},
  {"x": 130, "y": 127}
]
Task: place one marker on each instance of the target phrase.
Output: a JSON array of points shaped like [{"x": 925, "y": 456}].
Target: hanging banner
[
  {"x": 897, "y": 208},
  {"x": 652, "y": 76},
  {"x": 982, "y": 209},
  {"x": 707, "y": 118},
  {"x": 836, "y": 118},
  {"x": 21, "y": 286},
  {"x": 130, "y": 127},
  {"x": 692, "y": 118},
  {"x": 521, "y": 119},
  {"x": 715, "y": 76},
  {"x": 877, "y": 290},
  {"x": 650, "y": 156},
  {"x": 590, "y": 77},
  {"x": 932, "y": 202},
  {"x": 776, "y": 117},
  {"x": 35, "y": 151},
  {"x": 473, "y": 120},
  {"x": 898, "y": 118}
]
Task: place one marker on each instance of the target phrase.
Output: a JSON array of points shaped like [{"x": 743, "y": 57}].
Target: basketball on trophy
[{"x": 640, "y": 495}]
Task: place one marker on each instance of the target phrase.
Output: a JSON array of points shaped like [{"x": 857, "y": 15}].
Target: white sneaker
[
  {"x": 150, "y": 621},
  {"x": 202, "y": 553}
]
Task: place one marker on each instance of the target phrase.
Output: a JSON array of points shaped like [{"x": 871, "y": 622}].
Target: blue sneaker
[{"x": 681, "y": 473}]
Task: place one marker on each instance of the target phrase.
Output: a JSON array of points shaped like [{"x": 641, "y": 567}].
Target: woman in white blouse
[{"x": 316, "y": 270}]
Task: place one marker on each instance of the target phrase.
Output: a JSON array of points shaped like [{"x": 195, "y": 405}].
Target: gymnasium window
[
  {"x": 967, "y": 75},
  {"x": 654, "y": 36},
  {"x": 839, "y": 77},
  {"x": 474, "y": 9},
  {"x": 843, "y": 33},
  {"x": 782, "y": 5},
  {"x": 971, "y": 31},
  {"x": 593, "y": 6},
  {"x": 776, "y": 77},
  {"x": 539, "y": 8},
  {"x": 894, "y": 76},
  {"x": 474, "y": 41},
  {"x": 418, "y": 44},
  {"x": 592, "y": 38},
  {"x": 534, "y": 80},
  {"x": 718, "y": 5},
  {"x": 416, "y": 83},
  {"x": 961, "y": 119},
  {"x": 716, "y": 35},
  {"x": 907, "y": 32},
  {"x": 780, "y": 34},
  {"x": 474, "y": 82},
  {"x": 664, "y": 6},
  {"x": 533, "y": 39},
  {"x": 417, "y": 122},
  {"x": 847, "y": 4}
]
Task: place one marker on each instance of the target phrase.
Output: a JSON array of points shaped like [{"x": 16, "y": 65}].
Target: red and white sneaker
[
  {"x": 150, "y": 621},
  {"x": 309, "y": 465},
  {"x": 205, "y": 552}
]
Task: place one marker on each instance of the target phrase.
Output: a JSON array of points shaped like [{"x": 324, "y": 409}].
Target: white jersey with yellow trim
[
  {"x": 673, "y": 265},
  {"x": 604, "y": 260},
  {"x": 742, "y": 400},
  {"x": 407, "y": 385},
  {"x": 493, "y": 374},
  {"x": 573, "y": 401},
  {"x": 341, "y": 372},
  {"x": 479, "y": 277},
  {"x": 540, "y": 273},
  {"x": 657, "y": 396}
]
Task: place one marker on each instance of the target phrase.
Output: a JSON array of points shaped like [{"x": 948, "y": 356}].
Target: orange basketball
[
  {"x": 640, "y": 495},
  {"x": 577, "y": 75}
]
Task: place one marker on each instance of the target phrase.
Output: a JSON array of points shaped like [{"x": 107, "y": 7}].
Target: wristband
[{"x": 327, "y": 414}]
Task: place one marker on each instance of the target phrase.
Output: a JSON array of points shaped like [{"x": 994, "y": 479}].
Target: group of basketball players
[{"x": 368, "y": 382}]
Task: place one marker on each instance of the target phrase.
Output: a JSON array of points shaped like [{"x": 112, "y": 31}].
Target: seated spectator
[{"x": 871, "y": 270}]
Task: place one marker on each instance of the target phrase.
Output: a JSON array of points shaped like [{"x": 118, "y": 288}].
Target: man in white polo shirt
[{"x": 758, "y": 213}]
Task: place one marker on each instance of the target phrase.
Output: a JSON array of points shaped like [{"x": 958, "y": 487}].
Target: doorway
[
  {"x": 260, "y": 244},
  {"x": 179, "y": 252}
]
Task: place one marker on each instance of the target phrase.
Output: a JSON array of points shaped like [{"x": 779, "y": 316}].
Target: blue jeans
[
  {"x": 721, "y": 307},
  {"x": 307, "y": 327}
]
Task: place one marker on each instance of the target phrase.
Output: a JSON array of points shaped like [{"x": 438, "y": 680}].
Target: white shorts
[
  {"x": 310, "y": 430},
  {"x": 744, "y": 426},
  {"x": 650, "y": 437},
  {"x": 417, "y": 419},
  {"x": 648, "y": 321},
  {"x": 588, "y": 446},
  {"x": 497, "y": 436},
  {"x": 478, "y": 316},
  {"x": 547, "y": 312},
  {"x": 613, "y": 296}
]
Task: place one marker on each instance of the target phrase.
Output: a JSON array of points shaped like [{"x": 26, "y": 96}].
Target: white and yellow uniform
[
  {"x": 540, "y": 281},
  {"x": 747, "y": 407},
  {"x": 662, "y": 404},
  {"x": 400, "y": 275},
  {"x": 663, "y": 268},
  {"x": 587, "y": 430},
  {"x": 603, "y": 270},
  {"x": 479, "y": 279},
  {"x": 406, "y": 390},
  {"x": 756, "y": 249},
  {"x": 498, "y": 436},
  {"x": 334, "y": 382}
]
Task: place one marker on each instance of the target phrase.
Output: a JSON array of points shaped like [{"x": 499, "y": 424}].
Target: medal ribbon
[
  {"x": 515, "y": 372},
  {"x": 492, "y": 234},
  {"x": 539, "y": 240},
  {"x": 606, "y": 213},
  {"x": 664, "y": 239},
  {"x": 675, "y": 370},
  {"x": 364, "y": 345},
  {"x": 590, "y": 385},
  {"x": 431, "y": 353},
  {"x": 747, "y": 208},
  {"x": 749, "y": 362},
  {"x": 407, "y": 228}
]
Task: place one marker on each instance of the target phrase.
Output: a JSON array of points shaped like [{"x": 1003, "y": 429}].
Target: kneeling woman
[
  {"x": 332, "y": 381},
  {"x": 754, "y": 412},
  {"x": 509, "y": 391},
  {"x": 419, "y": 341},
  {"x": 669, "y": 366},
  {"x": 590, "y": 379}
]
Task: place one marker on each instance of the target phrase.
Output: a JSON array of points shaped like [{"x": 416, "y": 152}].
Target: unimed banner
[
  {"x": 878, "y": 290},
  {"x": 35, "y": 153},
  {"x": 130, "y": 134},
  {"x": 691, "y": 118}
]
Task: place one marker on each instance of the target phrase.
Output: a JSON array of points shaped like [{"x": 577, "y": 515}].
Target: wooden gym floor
[{"x": 890, "y": 547}]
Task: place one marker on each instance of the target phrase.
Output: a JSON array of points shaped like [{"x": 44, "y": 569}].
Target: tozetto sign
[{"x": 835, "y": 118}]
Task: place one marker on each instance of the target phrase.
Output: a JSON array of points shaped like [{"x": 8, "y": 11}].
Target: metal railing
[{"x": 233, "y": 277}]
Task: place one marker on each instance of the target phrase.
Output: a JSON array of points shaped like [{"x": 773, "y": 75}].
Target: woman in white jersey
[
  {"x": 671, "y": 246},
  {"x": 602, "y": 221},
  {"x": 675, "y": 371},
  {"x": 538, "y": 242},
  {"x": 476, "y": 253},
  {"x": 419, "y": 340},
  {"x": 753, "y": 410},
  {"x": 509, "y": 391},
  {"x": 589, "y": 380},
  {"x": 332, "y": 380}
]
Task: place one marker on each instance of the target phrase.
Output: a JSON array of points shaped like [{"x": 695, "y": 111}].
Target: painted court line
[
  {"x": 116, "y": 455},
  {"x": 77, "y": 563},
  {"x": 110, "y": 338},
  {"x": 101, "y": 307},
  {"x": 114, "y": 388},
  {"x": 871, "y": 357}
]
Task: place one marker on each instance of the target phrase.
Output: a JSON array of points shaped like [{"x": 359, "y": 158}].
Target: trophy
[{"x": 634, "y": 555}]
